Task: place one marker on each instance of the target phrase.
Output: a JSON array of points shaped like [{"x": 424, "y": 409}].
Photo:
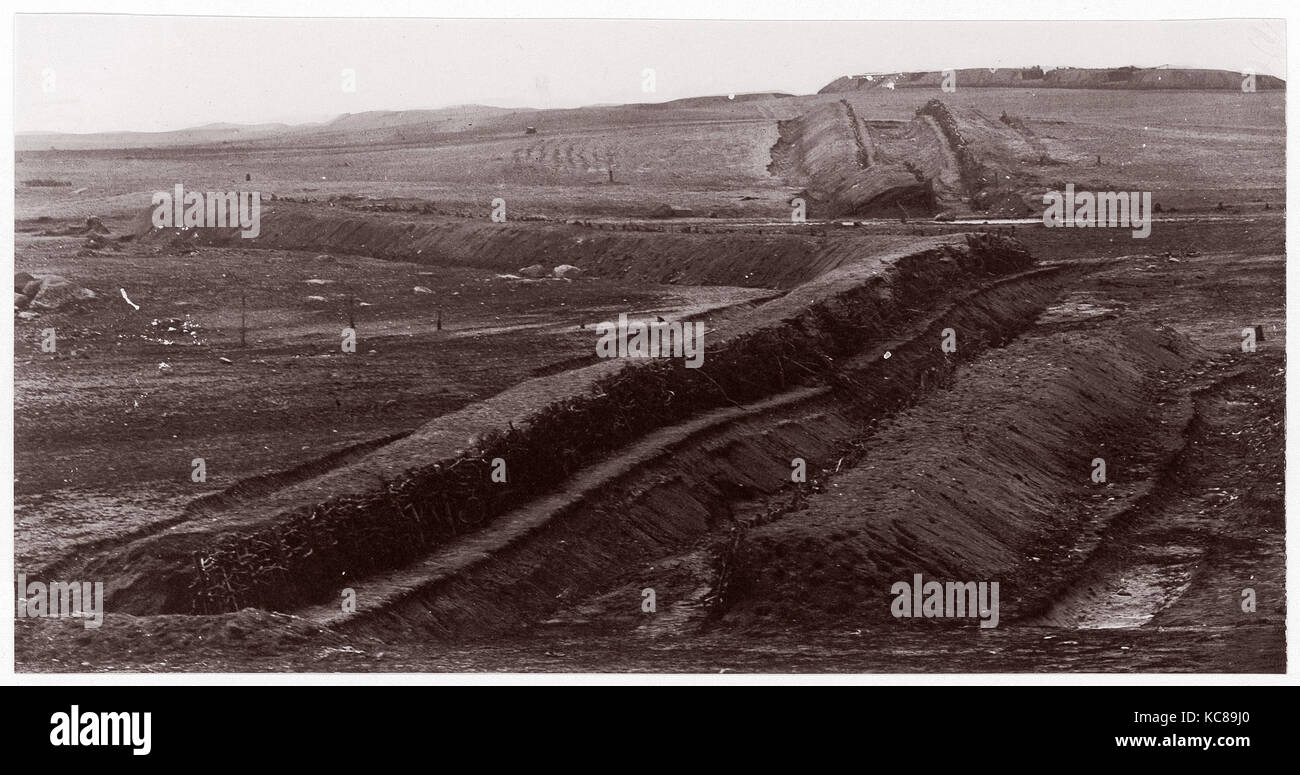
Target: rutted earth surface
[
  {"x": 968, "y": 465},
  {"x": 1142, "y": 573}
]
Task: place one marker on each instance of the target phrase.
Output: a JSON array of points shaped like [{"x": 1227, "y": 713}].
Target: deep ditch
[
  {"x": 797, "y": 341},
  {"x": 681, "y": 484},
  {"x": 297, "y": 560}
]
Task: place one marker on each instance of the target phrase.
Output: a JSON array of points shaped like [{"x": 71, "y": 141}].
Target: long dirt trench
[
  {"x": 428, "y": 490},
  {"x": 680, "y": 486},
  {"x": 758, "y": 553},
  {"x": 965, "y": 465}
]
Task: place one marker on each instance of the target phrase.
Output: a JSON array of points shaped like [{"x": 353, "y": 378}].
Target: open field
[{"x": 329, "y": 471}]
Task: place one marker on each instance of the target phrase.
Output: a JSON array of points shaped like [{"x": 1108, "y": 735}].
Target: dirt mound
[
  {"x": 989, "y": 156},
  {"x": 973, "y": 488},
  {"x": 945, "y": 159},
  {"x": 751, "y": 260},
  {"x": 50, "y": 292},
  {"x": 828, "y": 153}
]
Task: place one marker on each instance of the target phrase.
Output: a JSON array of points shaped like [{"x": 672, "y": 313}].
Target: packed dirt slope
[{"x": 829, "y": 152}]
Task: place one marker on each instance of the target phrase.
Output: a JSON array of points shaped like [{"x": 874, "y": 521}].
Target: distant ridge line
[{"x": 1117, "y": 78}]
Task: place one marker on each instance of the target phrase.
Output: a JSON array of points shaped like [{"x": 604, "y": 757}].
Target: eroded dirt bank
[
  {"x": 945, "y": 159},
  {"x": 419, "y": 492},
  {"x": 967, "y": 489},
  {"x": 691, "y": 483},
  {"x": 645, "y": 254}
]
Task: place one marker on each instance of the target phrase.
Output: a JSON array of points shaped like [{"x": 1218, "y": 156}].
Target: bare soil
[
  {"x": 1134, "y": 347},
  {"x": 1153, "y": 583}
]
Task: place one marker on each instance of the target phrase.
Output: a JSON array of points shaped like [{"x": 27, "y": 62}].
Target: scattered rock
[
  {"x": 56, "y": 292},
  {"x": 422, "y": 289},
  {"x": 566, "y": 270},
  {"x": 20, "y": 281},
  {"x": 533, "y": 272}
]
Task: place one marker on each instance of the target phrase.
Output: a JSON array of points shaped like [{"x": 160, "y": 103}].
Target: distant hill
[
  {"x": 1060, "y": 78},
  {"x": 445, "y": 120},
  {"x": 713, "y": 102},
  {"x": 378, "y": 128},
  {"x": 200, "y": 135},
  {"x": 461, "y": 116}
]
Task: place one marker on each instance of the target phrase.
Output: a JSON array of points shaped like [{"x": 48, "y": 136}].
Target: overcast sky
[{"x": 101, "y": 73}]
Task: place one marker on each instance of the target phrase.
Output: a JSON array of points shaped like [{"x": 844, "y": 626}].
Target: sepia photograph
[{"x": 716, "y": 347}]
